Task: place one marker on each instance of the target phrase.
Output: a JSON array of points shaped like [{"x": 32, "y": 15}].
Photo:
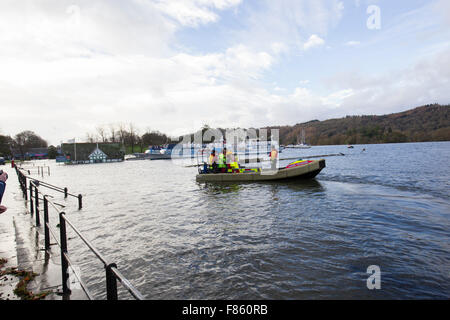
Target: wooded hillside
[{"x": 426, "y": 123}]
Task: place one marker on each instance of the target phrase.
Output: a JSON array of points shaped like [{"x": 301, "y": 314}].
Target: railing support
[
  {"x": 64, "y": 263},
  {"x": 111, "y": 283},
  {"x": 24, "y": 187},
  {"x": 80, "y": 202},
  {"x": 65, "y": 192},
  {"x": 46, "y": 229},
  {"x": 31, "y": 198},
  {"x": 36, "y": 206}
]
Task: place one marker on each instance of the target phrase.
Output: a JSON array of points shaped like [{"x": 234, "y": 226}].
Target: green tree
[
  {"x": 26, "y": 140},
  {"x": 52, "y": 152},
  {"x": 6, "y": 143}
]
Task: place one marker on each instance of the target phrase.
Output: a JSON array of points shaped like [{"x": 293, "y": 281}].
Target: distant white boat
[{"x": 301, "y": 145}]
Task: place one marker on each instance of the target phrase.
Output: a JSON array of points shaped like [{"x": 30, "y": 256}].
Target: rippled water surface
[{"x": 174, "y": 238}]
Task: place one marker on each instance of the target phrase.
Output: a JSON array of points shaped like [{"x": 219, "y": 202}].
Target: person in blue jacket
[{"x": 3, "y": 178}]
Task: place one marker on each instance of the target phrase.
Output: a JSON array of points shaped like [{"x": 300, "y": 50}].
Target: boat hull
[
  {"x": 307, "y": 171},
  {"x": 158, "y": 156}
]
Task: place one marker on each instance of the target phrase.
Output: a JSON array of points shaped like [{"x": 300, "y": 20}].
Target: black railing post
[
  {"x": 64, "y": 263},
  {"x": 111, "y": 282},
  {"x": 31, "y": 197},
  {"x": 65, "y": 192},
  {"x": 24, "y": 186},
  {"x": 80, "y": 202},
  {"x": 36, "y": 205},
  {"x": 47, "y": 233}
]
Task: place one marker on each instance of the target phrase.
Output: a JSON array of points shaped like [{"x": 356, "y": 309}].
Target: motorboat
[{"x": 298, "y": 170}]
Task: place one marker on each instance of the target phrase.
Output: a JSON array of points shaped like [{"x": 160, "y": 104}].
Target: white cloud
[
  {"x": 173, "y": 94},
  {"x": 194, "y": 12},
  {"x": 60, "y": 29},
  {"x": 352, "y": 43},
  {"x": 289, "y": 22},
  {"x": 278, "y": 48},
  {"x": 313, "y": 41},
  {"x": 427, "y": 81}
]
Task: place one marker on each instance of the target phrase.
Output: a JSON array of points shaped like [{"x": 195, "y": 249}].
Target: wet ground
[{"x": 21, "y": 244}]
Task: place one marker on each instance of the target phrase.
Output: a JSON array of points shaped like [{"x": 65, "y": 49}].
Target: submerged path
[{"x": 21, "y": 244}]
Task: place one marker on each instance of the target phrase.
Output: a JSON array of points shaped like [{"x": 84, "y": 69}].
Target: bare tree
[
  {"x": 113, "y": 132},
  {"x": 122, "y": 133},
  {"x": 132, "y": 136},
  {"x": 102, "y": 133},
  {"x": 90, "y": 137},
  {"x": 139, "y": 140}
]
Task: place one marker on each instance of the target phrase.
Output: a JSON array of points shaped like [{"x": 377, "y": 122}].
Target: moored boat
[
  {"x": 301, "y": 169},
  {"x": 302, "y": 145}
]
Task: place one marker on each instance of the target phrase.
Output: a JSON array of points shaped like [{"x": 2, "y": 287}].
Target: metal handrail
[
  {"x": 131, "y": 289},
  {"x": 87, "y": 242},
  {"x": 83, "y": 285},
  {"x": 48, "y": 185},
  {"x": 112, "y": 272}
]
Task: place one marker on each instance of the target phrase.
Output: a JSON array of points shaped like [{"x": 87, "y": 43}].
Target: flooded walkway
[{"x": 22, "y": 245}]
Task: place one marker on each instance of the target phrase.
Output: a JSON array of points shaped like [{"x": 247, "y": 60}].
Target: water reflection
[
  {"x": 220, "y": 187},
  {"x": 310, "y": 186}
]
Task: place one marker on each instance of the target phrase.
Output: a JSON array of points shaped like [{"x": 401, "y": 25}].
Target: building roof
[{"x": 97, "y": 154}]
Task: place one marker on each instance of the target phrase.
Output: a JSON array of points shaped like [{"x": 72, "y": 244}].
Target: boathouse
[{"x": 84, "y": 153}]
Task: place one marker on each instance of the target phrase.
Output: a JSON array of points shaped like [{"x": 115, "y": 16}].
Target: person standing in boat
[
  {"x": 213, "y": 161},
  {"x": 273, "y": 158},
  {"x": 231, "y": 161},
  {"x": 223, "y": 161}
]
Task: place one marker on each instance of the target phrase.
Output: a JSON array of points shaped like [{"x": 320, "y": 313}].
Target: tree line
[
  {"x": 21, "y": 143},
  {"x": 129, "y": 135}
]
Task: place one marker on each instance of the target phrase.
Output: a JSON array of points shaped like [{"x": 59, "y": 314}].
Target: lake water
[{"x": 174, "y": 238}]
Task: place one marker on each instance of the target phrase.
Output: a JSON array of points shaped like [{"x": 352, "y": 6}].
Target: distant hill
[{"x": 427, "y": 123}]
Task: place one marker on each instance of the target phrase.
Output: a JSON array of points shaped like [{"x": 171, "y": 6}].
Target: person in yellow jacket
[
  {"x": 223, "y": 160},
  {"x": 273, "y": 158},
  {"x": 231, "y": 161}
]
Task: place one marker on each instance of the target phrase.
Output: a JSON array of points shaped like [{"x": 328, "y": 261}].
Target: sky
[{"x": 68, "y": 67}]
